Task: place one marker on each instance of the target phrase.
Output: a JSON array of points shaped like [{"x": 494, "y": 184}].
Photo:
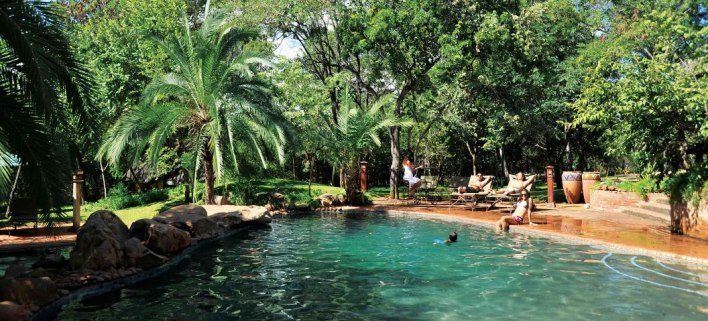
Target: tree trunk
[
  {"x": 208, "y": 161},
  {"x": 187, "y": 189},
  {"x": 342, "y": 178},
  {"x": 187, "y": 193},
  {"x": 103, "y": 177},
  {"x": 473, "y": 154},
  {"x": 12, "y": 190},
  {"x": 503, "y": 160},
  {"x": 394, "y": 133},
  {"x": 351, "y": 182},
  {"x": 335, "y": 105},
  {"x": 294, "y": 172},
  {"x": 309, "y": 181},
  {"x": 569, "y": 156}
]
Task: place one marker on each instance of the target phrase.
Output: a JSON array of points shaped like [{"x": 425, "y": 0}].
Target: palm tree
[
  {"x": 40, "y": 85},
  {"x": 214, "y": 94},
  {"x": 357, "y": 130}
]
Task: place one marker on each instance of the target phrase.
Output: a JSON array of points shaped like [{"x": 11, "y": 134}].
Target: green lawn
[{"x": 296, "y": 191}]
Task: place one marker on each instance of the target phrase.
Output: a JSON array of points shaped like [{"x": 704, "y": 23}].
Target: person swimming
[{"x": 452, "y": 238}]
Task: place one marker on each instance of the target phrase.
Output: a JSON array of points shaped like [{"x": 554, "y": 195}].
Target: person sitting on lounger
[
  {"x": 517, "y": 185},
  {"x": 477, "y": 183},
  {"x": 409, "y": 176},
  {"x": 522, "y": 207}
]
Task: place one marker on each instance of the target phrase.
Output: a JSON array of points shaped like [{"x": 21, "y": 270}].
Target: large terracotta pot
[
  {"x": 572, "y": 186},
  {"x": 589, "y": 179}
]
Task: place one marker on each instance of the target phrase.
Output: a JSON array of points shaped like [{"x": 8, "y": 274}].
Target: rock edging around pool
[
  {"x": 571, "y": 239},
  {"x": 109, "y": 256}
]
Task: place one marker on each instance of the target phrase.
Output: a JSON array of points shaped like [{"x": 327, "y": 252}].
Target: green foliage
[
  {"x": 215, "y": 94},
  {"x": 248, "y": 192},
  {"x": 44, "y": 92},
  {"x": 645, "y": 91},
  {"x": 119, "y": 198},
  {"x": 642, "y": 187},
  {"x": 688, "y": 186},
  {"x": 114, "y": 38},
  {"x": 357, "y": 130}
]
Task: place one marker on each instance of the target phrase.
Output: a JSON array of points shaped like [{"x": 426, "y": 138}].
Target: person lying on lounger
[
  {"x": 523, "y": 207},
  {"x": 476, "y": 183},
  {"x": 517, "y": 185}
]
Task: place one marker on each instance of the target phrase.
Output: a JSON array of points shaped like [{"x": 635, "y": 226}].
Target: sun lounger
[
  {"x": 469, "y": 199},
  {"x": 495, "y": 199},
  {"x": 22, "y": 211},
  {"x": 429, "y": 183}
]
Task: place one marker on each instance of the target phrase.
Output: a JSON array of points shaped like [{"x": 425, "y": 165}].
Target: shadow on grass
[{"x": 170, "y": 204}]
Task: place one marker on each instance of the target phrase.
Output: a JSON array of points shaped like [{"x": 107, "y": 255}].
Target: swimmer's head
[{"x": 452, "y": 237}]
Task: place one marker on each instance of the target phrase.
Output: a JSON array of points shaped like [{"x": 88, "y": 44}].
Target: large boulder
[
  {"x": 159, "y": 237},
  {"x": 255, "y": 215},
  {"x": 12, "y": 311},
  {"x": 26, "y": 291},
  {"x": 50, "y": 261},
  {"x": 228, "y": 216},
  {"x": 138, "y": 255},
  {"x": 99, "y": 243},
  {"x": 190, "y": 218},
  {"x": 247, "y": 214},
  {"x": 16, "y": 270},
  {"x": 229, "y": 219}
]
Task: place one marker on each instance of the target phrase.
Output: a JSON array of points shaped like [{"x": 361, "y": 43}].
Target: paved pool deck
[{"x": 609, "y": 229}]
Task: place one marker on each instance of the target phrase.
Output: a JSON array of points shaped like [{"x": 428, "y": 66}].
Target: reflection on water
[
  {"x": 26, "y": 258},
  {"x": 365, "y": 267}
]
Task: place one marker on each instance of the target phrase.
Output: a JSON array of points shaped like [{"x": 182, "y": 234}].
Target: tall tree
[
  {"x": 215, "y": 93},
  {"x": 40, "y": 81},
  {"x": 356, "y": 132},
  {"x": 645, "y": 89}
]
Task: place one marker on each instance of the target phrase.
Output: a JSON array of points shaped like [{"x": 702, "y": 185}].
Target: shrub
[
  {"x": 119, "y": 198},
  {"x": 642, "y": 187},
  {"x": 688, "y": 186}
]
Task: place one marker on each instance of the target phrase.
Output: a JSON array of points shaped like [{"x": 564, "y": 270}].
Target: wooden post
[
  {"x": 78, "y": 196},
  {"x": 362, "y": 175},
  {"x": 549, "y": 179}
]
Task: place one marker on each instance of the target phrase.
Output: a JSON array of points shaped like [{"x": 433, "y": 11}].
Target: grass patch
[{"x": 245, "y": 192}]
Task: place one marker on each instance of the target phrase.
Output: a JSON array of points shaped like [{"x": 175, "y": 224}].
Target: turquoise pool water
[{"x": 371, "y": 267}]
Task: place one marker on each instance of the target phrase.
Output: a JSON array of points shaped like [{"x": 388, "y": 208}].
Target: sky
[{"x": 289, "y": 48}]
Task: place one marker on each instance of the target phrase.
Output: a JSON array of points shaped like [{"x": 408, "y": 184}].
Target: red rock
[
  {"x": 12, "y": 311},
  {"x": 99, "y": 243},
  {"x": 139, "y": 255},
  {"x": 159, "y": 237},
  {"x": 39, "y": 291}
]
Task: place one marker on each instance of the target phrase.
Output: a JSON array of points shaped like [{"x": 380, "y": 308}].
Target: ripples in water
[{"x": 369, "y": 267}]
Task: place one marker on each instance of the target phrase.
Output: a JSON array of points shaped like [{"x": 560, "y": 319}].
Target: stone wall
[
  {"x": 613, "y": 199},
  {"x": 689, "y": 219}
]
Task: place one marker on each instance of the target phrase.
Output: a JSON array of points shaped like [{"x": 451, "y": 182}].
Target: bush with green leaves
[{"x": 119, "y": 198}]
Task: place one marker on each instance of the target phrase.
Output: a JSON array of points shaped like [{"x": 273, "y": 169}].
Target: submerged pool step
[
  {"x": 653, "y": 272},
  {"x": 657, "y": 207},
  {"x": 638, "y": 211}
]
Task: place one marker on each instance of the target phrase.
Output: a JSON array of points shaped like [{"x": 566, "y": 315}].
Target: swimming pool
[{"x": 376, "y": 267}]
